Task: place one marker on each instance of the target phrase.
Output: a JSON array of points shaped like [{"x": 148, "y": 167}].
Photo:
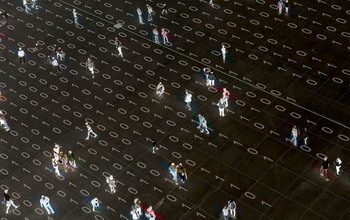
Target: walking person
[
  {"x": 160, "y": 89},
  {"x": 21, "y": 55},
  {"x": 156, "y": 35},
  {"x": 305, "y": 136},
  {"x": 206, "y": 71},
  {"x": 150, "y": 12},
  {"x": 204, "y": 126},
  {"x": 111, "y": 183},
  {"x": 55, "y": 65},
  {"x": 294, "y": 136},
  {"x": 139, "y": 13},
  {"x": 25, "y": 6},
  {"x": 56, "y": 151},
  {"x": 95, "y": 205},
  {"x": 154, "y": 146},
  {"x": 34, "y": 5},
  {"x": 137, "y": 205},
  {"x": 221, "y": 105},
  {"x": 226, "y": 96},
  {"x": 337, "y": 164},
  {"x": 60, "y": 53},
  {"x": 91, "y": 66},
  {"x": 182, "y": 172},
  {"x": 3, "y": 121},
  {"x": 55, "y": 166},
  {"x": 223, "y": 53},
  {"x": 164, "y": 34},
  {"x": 75, "y": 15},
  {"x": 324, "y": 168},
  {"x": 71, "y": 160},
  {"x": 232, "y": 208},
  {"x": 118, "y": 45},
  {"x": 280, "y": 6},
  {"x": 89, "y": 129},
  {"x": 286, "y": 6},
  {"x": 9, "y": 201},
  {"x": 225, "y": 212},
  {"x": 134, "y": 213},
  {"x": 211, "y": 78},
  {"x": 188, "y": 99},
  {"x": 45, "y": 203},
  {"x": 173, "y": 172}
]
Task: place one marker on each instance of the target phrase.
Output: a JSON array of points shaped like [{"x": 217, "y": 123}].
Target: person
[
  {"x": 286, "y": 6},
  {"x": 182, "y": 172},
  {"x": 164, "y": 33},
  {"x": 9, "y": 201},
  {"x": 160, "y": 89},
  {"x": 134, "y": 213},
  {"x": 55, "y": 166},
  {"x": 211, "y": 78},
  {"x": 223, "y": 52},
  {"x": 173, "y": 172},
  {"x": 150, "y": 214},
  {"x": 150, "y": 12},
  {"x": 55, "y": 65},
  {"x": 89, "y": 131},
  {"x": 56, "y": 151},
  {"x": 154, "y": 146},
  {"x": 118, "y": 45},
  {"x": 164, "y": 9},
  {"x": 280, "y": 6},
  {"x": 64, "y": 161},
  {"x": 294, "y": 135},
  {"x": 75, "y": 15},
  {"x": 60, "y": 53},
  {"x": 200, "y": 121},
  {"x": 34, "y": 5},
  {"x": 226, "y": 96},
  {"x": 139, "y": 12},
  {"x": 305, "y": 136},
  {"x": 91, "y": 66},
  {"x": 25, "y": 6},
  {"x": 137, "y": 205},
  {"x": 21, "y": 55},
  {"x": 337, "y": 164},
  {"x": 204, "y": 126},
  {"x": 3, "y": 121},
  {"x": 221, "y": 106},
  {"x": 324, "y": 168},
  {"x": 188, "y": 99},
  {"x": 232, "y": 208},
  {"x": 206, "y": 71},
  {"x": 45, "y": 203},
  {"x": 111, "y": 183},
  {"x": 71, "y": 160},
  {"x": 95, "y": 205},
  {"x": 156, "y": 35},
  {"x": 225, "y": 212},
  {"x": 4, "y": 20}
]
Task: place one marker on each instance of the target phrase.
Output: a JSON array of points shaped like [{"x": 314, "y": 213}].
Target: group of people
[
  {"x": 283, "y": 4},
  {"x": 178, "y": 171},
  {"x": 298, "y": 137},
  {"x": 60, "y": 158},
  {"x": 136, "y": 211},
  {"x": 326, "y": 164},
  {"x": 229, "y": 210}
]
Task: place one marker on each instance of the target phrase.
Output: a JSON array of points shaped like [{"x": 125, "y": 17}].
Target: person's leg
[
  {"x": 8, "y": 205},
  {"x": 88, "y": 135},
  {"x": 94, "y": 134},
  {"x": 50, "y": 208},
  {"x": 326, "y": 173},
  {"x": 47, "y": 209}
]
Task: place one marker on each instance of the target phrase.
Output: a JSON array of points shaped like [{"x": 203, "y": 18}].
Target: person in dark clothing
[
  {"x": 154, "y": 146},
  {"x": 324, "y": 168}
]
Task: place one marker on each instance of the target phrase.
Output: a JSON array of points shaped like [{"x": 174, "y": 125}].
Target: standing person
[
  {"x": 211, "y": 78},
  {"x": 232, "y": 208},
  {"x": 160, "y": 89},
  {"x": 223, "y": 52},
  {"x": 154, "y": 146},
  {"x": 150, "y": 214},
  {"x": 156, "y": 35},
  {"x": 60, "y": 53},
  {"x": 286, "y": 6},
  {"x": 206, "y": 71},
  {"x": 139, "y": 13},
  {"x": 221, "y": 105},
  {"x": 71, "y": 160},
  {"x": 280, "y": 6},
  {"x": 164, "y": 9},
  {"x": 337, "y": 164},
  {"x": 21, "y": 55},
  {"x": 173, "y": 172},
  {"x": 324, "y": 168},
  {"x": 9, "y": 201},
  {"x": 95, "y": 205},
  {"x": 150, "y": 12},
  {"x": 118, "y": 45},
  {"x": 225, "y": 212},
  {"x": 55, "y": 65},
  {"x": 204, "y": 126},
  {"x": 64, "y": 161},
  {"x": 89, "y": 129},
  {"x": 3, "y": 121},
  {"x": 137, "y": 204},
  {"x": 25, "y": 6},
  {"x": 56, "y": 152},
  {"x": 200, "y": 121},
  {"x": 294, "y": 135},
  {"x": 55, "y": 166},
  {"x": 45, "y": 203},
  {"x": 226, "y": 96},
  {"x": 91, "y": 66},
  {"x": 164, "y": 33},
  {"x": 305, "y": 136},
  {"x": 188, "y": 99},
  {"x": 134, "y": 213},
  {"x": 34, "y": 5},
  {"x": 111, "y": 183},
  {"x": 182, "y": 172},
  {"x": 75, "y": 15}
]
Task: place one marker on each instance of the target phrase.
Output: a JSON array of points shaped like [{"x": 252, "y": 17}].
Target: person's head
[
  {"x": 150, "y": 208},
  {"x": 86, "y": 124},
  {"x": 325, "y": 158},
  {"x": 74, "y": 9},
  {"x": 43, "y": 197},
  {"x": 6, "y": 191},
  {"x": 20, "y": 48},
  {"x": 70, "y": 152},
  {"x": 111, "y": 177},
  {"x": 224, "y": 89},
  {"x": 160, "y": 83}
]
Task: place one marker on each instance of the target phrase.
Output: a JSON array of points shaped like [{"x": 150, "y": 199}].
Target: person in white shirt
[
  {"x": 55, "y": 65},
  {"x": 150, "y": 12},
  {"x": 91, "y": 66},
  {"x": 188, "y": 99},
  {"x": 223, "y": 52},
  {"x": 21, "y": 56},
  {"x": 337, "y": 164},
  {"x": 160, "y": 89},
  {"x": 56, "y": 152},
  {"x": 134, "y": 214},
  {"x": 139, "y": 13},
  {"x": 225, "y": 212},
  {"x": 111, "y": 183},
  {"x": 118, "y": 45},
  {"x": 95, "y": 205},
  {"x": 25, "y": 5},
  {"x": 3, "y": 121},
  {"x": 137, "y": 205},
  {"x": 164, "y": 34},
  {"x": 75, "y": 15},
  {"x": 156, "y": 35},
  {"x": 9, "y": 201},
  {"x": 34, "y": 5},
  {"x": 45, "y": 203},
  {"x": 294, "y": 135},
  {"x": 55, "y": 166},
  {"x": 173, "y": 172},
  {"x": 90, "y": 131},
  {"x": 221, "y": 105},
  {"x": 232, "y": 208}
]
